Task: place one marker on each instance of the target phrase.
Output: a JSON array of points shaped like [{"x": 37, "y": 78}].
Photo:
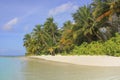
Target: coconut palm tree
[
  {"x": 104, "y": 12},
  {"x": 50, "y": 27},
  {"x": 27, "y": 39},
  {"x": 41, "y": 37},
  {"x": 29, "y": 44},
  {"x": 106, "y": 8},
  {"x": 66, "y": 41},
  {"x": 87, "y": 24}
]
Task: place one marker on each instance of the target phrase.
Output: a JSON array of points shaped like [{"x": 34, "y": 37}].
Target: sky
[{"x": 19, "y": 17}]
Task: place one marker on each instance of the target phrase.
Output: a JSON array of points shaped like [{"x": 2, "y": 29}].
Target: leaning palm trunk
[{"x": 104, "y": 15}]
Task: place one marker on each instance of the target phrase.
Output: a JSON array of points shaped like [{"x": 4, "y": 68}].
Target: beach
[{"x": 84, "y": 60}]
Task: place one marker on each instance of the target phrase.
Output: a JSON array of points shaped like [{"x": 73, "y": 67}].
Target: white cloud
[
  {"x": 10, "y": 24},
  {"x": 62, "y": 8}
]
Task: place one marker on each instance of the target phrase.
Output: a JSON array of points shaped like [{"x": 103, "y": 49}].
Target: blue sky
[{"x": 18, "y": 17}]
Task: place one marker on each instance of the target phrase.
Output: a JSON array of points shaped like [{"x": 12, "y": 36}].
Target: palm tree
[
  {"x": 51, "y": 28},
  {"x": 27, "y": 39},
  {"x": 104, "y": 13},
  {"x": 29, "y": 44},
  {"x": 67, "y": 30},
  {"x": 106, "y": 8},
  {"x": 40, "y": 35},
  {"x": 87, "y": 24},
  {"x": 41, "y": 38},
  {"x": 66, "y": 41}
]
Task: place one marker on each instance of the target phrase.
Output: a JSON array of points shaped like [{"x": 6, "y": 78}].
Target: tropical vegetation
[{"x": 95, "y": 31}]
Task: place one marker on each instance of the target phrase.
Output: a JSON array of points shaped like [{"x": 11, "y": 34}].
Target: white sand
[{"x": 84, "y": 60}]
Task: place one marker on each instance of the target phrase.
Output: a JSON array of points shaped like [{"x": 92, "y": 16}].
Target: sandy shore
[{"x": 84, "y": 60}]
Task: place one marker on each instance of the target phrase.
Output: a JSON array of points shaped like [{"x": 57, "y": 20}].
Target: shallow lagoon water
[{"x": 23, "y": 68}]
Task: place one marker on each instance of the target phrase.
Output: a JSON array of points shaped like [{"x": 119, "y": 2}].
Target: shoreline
[{"x": 102, "y": 61}]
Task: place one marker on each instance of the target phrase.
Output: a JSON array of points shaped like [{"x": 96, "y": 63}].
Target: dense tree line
[{"x": 98, "y": 21}]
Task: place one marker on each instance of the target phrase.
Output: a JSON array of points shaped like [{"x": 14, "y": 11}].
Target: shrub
[{"x": 110, "y": 47}]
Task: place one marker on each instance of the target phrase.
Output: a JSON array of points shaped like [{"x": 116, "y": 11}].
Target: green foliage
[
  {"x": 110, "y": 47},
  {"x": 43, "y": 39},
  {"x": 94, "y": 48},
  {"x": 92, "y": 33}
]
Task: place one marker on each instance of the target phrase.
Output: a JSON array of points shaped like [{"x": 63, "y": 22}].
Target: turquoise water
[{"x": 22, "y": 68}]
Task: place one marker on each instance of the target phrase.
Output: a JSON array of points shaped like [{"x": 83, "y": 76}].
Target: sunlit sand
[{"x": 84, "y": 60}]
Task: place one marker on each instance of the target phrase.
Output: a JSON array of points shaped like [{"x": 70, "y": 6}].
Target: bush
[
  {"x": 94, "y": 48},
  {"x": 110, "y": 47}
]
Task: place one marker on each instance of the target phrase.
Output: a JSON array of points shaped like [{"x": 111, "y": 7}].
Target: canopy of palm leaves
[{"x": 88, "y": 26}]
